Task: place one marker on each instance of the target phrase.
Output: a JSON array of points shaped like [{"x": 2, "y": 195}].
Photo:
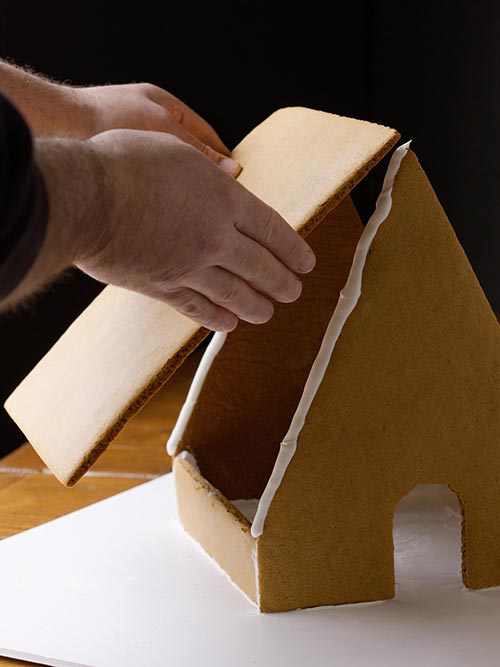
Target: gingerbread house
[{"x": 298, "y": 438}]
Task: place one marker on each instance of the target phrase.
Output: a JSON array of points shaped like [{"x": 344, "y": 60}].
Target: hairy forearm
[
  {"x": 74, "y": 179},
  {"x": 49, "y": 107}
]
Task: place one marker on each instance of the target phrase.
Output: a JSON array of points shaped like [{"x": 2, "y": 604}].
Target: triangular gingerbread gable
[{"x": 405, "y": 391}]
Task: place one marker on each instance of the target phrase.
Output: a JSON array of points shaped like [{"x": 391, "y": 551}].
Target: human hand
[
  {"x": 143, "y": 106},
  {"x": 178, "y": 229},
  {"x": 53, "y": 109}
]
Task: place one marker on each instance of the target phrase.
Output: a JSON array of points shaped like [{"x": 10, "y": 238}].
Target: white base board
[{"x": 119, "y": 584}]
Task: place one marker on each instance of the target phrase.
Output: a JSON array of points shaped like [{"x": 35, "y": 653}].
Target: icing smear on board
[{"x": 347, "y": 302}]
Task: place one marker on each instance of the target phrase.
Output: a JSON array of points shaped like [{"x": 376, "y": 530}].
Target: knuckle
[
  {"x": 170, "y": 278},
  {"x": 268, "y": 225},
  {"x": 260, "y": 267},
  {"x": 213, "y": 245},
  {"x": 159, "y": 119},
  {"x": 188, "y": 303},
  {"x": 176, "y": 296},
  {"x": 177, "y": 113},
  {"x": 196, "y": 310},
  {"x": 149, "y": 89},
  {"x": 229, "y": 293},
  {"x": 201, "y": 147},
  {"x": 210, "y": 153},
  {"x": 256, "y": 273}
]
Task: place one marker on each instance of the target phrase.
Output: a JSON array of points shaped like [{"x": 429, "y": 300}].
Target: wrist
[
  {"x": 50, "y": 108},
  {"x": 74, "y": 180},
  {"x": 70, "y": 112}
]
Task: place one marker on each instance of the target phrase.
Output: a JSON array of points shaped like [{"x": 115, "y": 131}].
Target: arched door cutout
[{"x": 427, "y": 542}]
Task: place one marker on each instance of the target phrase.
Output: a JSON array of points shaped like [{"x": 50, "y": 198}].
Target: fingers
[
  {"x": 269, "y": 229},
  {"x": 197, "y": 307},
  {"x": 225, "y": 163},
  {"x": 232, "y": 293},
  {"x": 190, "y": 120},
  {"x": 261, "y": 269},
  {"x": 198, "y": 126}
]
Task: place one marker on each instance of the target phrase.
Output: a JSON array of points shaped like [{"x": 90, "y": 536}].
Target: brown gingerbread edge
[
  {"x": 137, "y": 403},
  {"x": 326, "y": 207}
]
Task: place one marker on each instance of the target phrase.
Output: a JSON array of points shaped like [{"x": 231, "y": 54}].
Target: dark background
[{"x": 431, "y": 70}]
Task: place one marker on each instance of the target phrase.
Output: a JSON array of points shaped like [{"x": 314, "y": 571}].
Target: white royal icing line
[
  {"x": 213, "y": 349},
  {"x": 347, "y": 302}
]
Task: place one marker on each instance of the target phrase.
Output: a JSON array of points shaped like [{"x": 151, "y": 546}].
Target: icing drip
[
  {"x": 211, "y": 352},
  {"x": 347, "y": 302}
]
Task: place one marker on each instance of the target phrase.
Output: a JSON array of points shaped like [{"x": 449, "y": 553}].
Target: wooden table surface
[{"x": 30, "y": 495}]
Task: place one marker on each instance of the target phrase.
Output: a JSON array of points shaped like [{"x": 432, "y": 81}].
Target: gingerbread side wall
[
  {"x": 255, "y": 382},
  {"x": 411, "y": 395},
  {"x": 216, "y": 525}
]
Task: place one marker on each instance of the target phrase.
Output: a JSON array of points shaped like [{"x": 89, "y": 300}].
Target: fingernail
[
  {"x": 230, "y": 166},
  {"x": 292, "y": 296},
  {"x": 307, "y": 263},
  {"x": 229, "y": 324},
  {"x": 298, "y": 288},
  {"x": 265, "y": 317}
]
